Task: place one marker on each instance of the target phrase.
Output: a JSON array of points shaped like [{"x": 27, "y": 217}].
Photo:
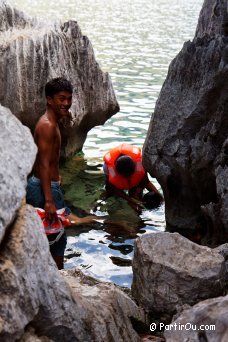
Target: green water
[{"x": 134, "y": 41}]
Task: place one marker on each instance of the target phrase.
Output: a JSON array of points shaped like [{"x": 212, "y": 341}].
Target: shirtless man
[{"x": 44, "y": 190}]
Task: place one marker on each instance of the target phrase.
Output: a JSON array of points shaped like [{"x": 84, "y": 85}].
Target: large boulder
[
  {"x": 206, "y": 321},
  {"x": 186, "y": 146},
  {"x": 18, "y": 152},
  {"x": 170, "y": 271},
  {"x": 35, "y": 295},
  {"x": 33, "y": 52}
]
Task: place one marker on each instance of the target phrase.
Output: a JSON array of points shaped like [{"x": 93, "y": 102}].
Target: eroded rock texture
[
  {"x": 187, "y": 143},
  {"x": 36, "y": 303},
  {"x": 206, "y": 321},
  {"x": 34, "y": 294},
  {"x": 170, "y": 271},
  {"x": 33, "y": 52},
  {"x": 17, "y": 151}
]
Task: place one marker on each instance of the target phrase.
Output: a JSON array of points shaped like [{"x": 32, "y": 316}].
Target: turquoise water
[{"x": 134, "y": 41}]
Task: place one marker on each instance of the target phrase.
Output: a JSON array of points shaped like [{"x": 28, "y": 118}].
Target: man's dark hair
[
  {"x": 125, "y": 165},
  {"x": 56, "y": 85}
]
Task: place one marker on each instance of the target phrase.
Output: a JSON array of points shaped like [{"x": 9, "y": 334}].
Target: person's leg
[
  {"x": 59, "y": 261},
  {"x": 57, "y": 249},
  {"x": 35, "y": 197}
]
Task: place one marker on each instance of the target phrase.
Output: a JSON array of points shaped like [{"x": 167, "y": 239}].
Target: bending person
[{"x": 124, "y": 171}]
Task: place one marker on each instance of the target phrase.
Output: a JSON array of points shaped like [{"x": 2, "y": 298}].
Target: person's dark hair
[
  {"x": 151, "y": 200},
  {"x": 56, "y": 85},
  {"x": 125, "y": 165}
]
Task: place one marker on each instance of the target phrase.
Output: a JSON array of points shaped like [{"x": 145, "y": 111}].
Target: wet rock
[
  {"x": 186, "y": 147},
  {"x": 206, "y": 321},
  {"x": 17, "y": 151},
  {"x": 170, "y": 271},
  {"x": 35, "y": 51}
]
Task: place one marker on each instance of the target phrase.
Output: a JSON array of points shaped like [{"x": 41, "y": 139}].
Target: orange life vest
[
  {"x": 58, "y": 225},
  {"x": 124, "y": 183}
]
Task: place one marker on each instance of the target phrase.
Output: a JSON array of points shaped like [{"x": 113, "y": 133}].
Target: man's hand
[{"x": 50, "y": 211}]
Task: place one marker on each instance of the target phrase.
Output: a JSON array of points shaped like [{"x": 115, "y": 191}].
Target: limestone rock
[
  {"x": 170, "y": 271},
  {"x": 34, "y": 294},
  {"x": 109, "y": 310},
  {"x": 30, "y": 336},
  {"x": 186, "y": 145},
  {"x": 17, "y": 151},
  {"x": 213, "y": 18},
  {"x": 33, "y": 52},
  {"x": 206, "y": 321},
  {"x": 223, "y": 250}
]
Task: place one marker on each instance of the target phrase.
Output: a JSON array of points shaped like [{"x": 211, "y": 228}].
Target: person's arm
[
  {"x": 45, "y": 137},
  {"x": 111, "y": 190},
  {"x": 81, "y": 220},
  {"x": 133, "y": 202},
  {"x": 150, "y": 186}
]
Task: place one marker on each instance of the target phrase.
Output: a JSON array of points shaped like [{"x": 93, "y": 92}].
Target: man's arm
[
  {"x": 45, "y": 138},
  {"x": 133, "y": 202},
  {"x": 81, "y": 220},
  {"x": 150, "y": 187}
]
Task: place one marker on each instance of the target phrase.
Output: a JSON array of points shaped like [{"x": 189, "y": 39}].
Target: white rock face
[
  {"x": 170, "y": 271},
  {"x": 31, "y": 53},
  {"x": 108, "y": 308},
  {"x": 206, "y": 321},
  {"x": 17, "y": 151}
]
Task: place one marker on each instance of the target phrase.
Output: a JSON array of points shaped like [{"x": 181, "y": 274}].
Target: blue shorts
[{"x": 35, "y": 197}]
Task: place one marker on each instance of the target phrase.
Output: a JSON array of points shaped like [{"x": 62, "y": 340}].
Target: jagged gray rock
[
  {"x": 170, "y": 271},
  {"x": 34, "y": 294},
  {"x": 109, "y": 310},
  {"x": 33, "y": 52},
  {"x": 206, "y": 321},
  {"x": 187, "y": 147},
  {"x": 213, "y": 18},
  {"x": 17, "y": 151}
]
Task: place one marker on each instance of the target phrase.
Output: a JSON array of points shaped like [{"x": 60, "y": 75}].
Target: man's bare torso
[{"x": 48, "y": 146}]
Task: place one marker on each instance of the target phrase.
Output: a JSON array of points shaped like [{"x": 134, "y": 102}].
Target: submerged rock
[
  {"x": 33, "y": 52},
  {"x": 170, "y": 271},
  {"x": 206, "y": 321},
  {"x": 187, "y": 147}
]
